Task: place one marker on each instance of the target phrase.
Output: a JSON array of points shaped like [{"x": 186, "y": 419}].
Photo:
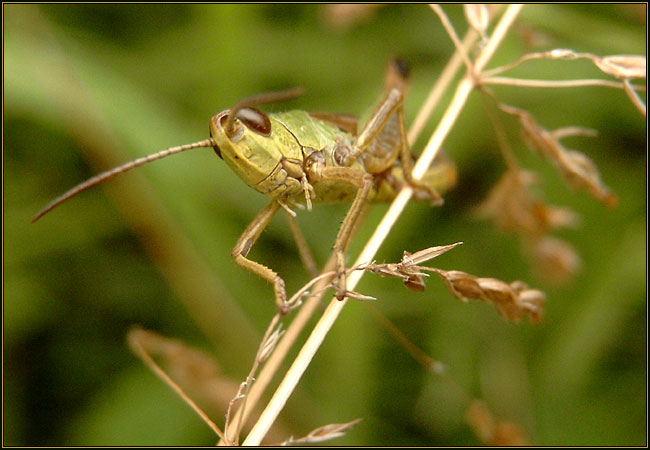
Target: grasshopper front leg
[{"x": 244, "y": 245}]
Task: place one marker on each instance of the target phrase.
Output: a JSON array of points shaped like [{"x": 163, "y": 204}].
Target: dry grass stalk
[
  {"x": 440, "y": 87},
  {"x": 197, "y": 372},
  {"x": 137, "y": 338},
  {"x": 269, "y": 341},
  {"x": 617, "y": 66},
  {"x": 282, "y": 347},
  {"x": 324, "y": 433},
  {"x": 623, "y": 67},
  {"x": 634, "y": 97},
  {"x": 460, "y": 49},
  {"x": 235, "y": 418},
  {"x": 478, "y": 17},
  {"x": 194, "y": 374},
  {"x": 435, "y": 368}
]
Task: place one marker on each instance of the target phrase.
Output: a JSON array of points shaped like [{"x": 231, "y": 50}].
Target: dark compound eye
[
  {"x": 215, "y": 147},
  {"x": 217, "y": 151},
  {"x": 255, "y": 120}
]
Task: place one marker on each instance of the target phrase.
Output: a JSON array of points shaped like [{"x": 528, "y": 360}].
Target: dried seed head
[
  {"x": 622, "y": 66},
  {"x": 408, "y": 269},
  {"x": 462, "y": 285},
  {"x": 323, "y": 433},
  {"x": 512, "y": 301},
  {"x": 490, "y": 429},
  {"x": 510, "y": 205},
  {"x": 556, "y": 261},
  {"x": 415, "y": 283},
  {"x": 346, "y": 15},
  {"x": 426, "y": 254},
  {"x": 532, "y": 303},
  {"x": 551, "y": 217},
  {"x": 512, "y": 208},
  {"x": 481, "y": 420},
  {"x": 503, "y": 297},
  {"x": 576, "y": 167}
]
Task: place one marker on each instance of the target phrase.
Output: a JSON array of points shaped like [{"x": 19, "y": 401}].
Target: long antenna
[{"x": 118, "y": 170}]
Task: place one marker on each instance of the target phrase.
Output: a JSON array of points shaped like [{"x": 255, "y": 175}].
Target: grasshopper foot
[{"x": 340, "y": 280}]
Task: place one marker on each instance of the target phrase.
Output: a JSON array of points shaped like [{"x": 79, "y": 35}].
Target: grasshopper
[{"x": 298, "y": 159}]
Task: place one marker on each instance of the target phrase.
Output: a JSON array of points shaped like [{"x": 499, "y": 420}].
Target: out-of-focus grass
[{"x": 87, "y": 87}]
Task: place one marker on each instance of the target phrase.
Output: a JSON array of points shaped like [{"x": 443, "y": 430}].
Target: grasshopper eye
[
  {"x": 216, "y": 148},
  {"x": 255, "y": 120},
  {"x": 217, "y": 151}
]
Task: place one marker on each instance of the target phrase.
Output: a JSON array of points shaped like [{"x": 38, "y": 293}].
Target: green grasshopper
[{"x": 298, "y": 158}]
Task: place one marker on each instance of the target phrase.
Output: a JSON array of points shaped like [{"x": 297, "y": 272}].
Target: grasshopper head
[
  {"x": 259, "y": 149},
  {"x": 263, "y": 153},
  {"x": 246, "y": 143},
  {"x": 233, "y": 129},
  {"x": 241, "y": 136}
]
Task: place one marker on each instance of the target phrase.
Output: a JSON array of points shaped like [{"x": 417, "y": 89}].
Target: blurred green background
[{"x": 88, "y": 87}]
